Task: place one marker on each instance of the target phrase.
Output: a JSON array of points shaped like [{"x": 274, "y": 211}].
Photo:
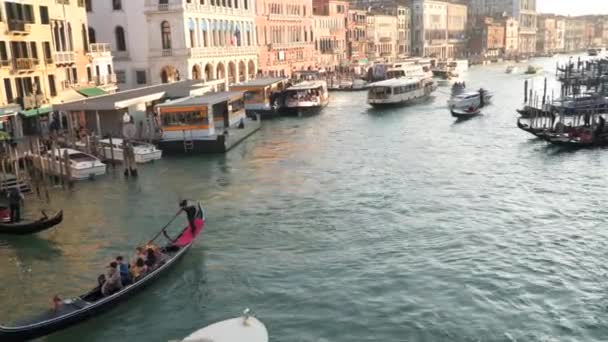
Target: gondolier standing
[
  {"x": 190, "y": 213},
  {"x": 15, "y": 197}
]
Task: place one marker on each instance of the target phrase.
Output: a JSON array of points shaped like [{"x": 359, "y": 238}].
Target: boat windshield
[
  {"x": 81, "y": 157},
  {"x": 379, "y": 92}
]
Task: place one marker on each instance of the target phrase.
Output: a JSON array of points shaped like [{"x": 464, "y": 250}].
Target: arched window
[
  {"x": 121, "y": 44},
  {"x": 117, "y": 5},
  {"x": 85, "y": 39},
  {"x": 165, "y": 28},
  {"x": 92, "y": 37}
]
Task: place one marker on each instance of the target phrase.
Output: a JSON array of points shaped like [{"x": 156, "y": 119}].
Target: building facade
[
  {"x": 285, "y": 36},
  {"x": 546, "y": 34},
  {"x": 356, "y": 36},
  {"x": 439, "y": 29},
  {"x": 404, "y": 18},
  {"x": 486, "y": 38},
  {"x": 45, "y": 54},
  {"x": 330, "y": 26},
  {"x": 524, "y": 11},
  {"x": 511, "y": 37},
  {"x": 382, "y": 37},
  {"x": 173, "y": 40},
  {"x": 575, "y": 34}
]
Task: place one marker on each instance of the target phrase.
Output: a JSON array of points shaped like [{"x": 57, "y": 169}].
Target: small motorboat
[
  {"x": 532, "y": 70},
  {"x": 25, "y": 227},
  {"x": 240, "y": 329},
  {"x": 511, "y": 69},
  {"x": 68, "y": 312},
  {"x": 144, "y": 152},
  {"x": 475, "y": 99},
  {"x": 458, "y": 88},
  {"x": 465, "y": 113},
  {"x": 82, "y": 165}
]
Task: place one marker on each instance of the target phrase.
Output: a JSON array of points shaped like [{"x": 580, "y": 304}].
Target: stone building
[
  {"x": 356, "y": 36},
  {"x": 546, "y": 34},
  {"x": 285, "y": 36},
  {"x": 172, "y": 40},
  {"x": 511, "y": 37},
  {"x": 382, "y": 37},
  {"x": 575, "y": 34},
  {"x": 330, "y": 26},
  {"x": 524, "y": 11},
  {"x": 44, "y": 56},
  {"x": 486, "y": 38},
  {"x": 438, "y": 29}
]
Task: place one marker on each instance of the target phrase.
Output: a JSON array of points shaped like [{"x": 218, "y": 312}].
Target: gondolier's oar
[{"x": 165, "y": 227}]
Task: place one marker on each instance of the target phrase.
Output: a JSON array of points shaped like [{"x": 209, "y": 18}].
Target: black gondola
[
  {"x": 76, "y": 310},
  {"x": 537, "y": 132},
  {"x": 462, "y": 114},
  {"x": 26, "y": 227}
]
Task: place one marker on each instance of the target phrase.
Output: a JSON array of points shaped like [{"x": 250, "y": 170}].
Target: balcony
[
  {"x": 16, "y": 26},
  {"x": 104, "y": 80},
  {"x": 64, "y": 57},
  {"x": 25, "y": 64},
  {"x": 121, "y": 55},
  {"x": 32, "y": 101},
  {"x": 227, "y": 51},
  {"x": 5, "y": 63},
  {"x": 100, "y": 50},
  {"x": 152, "y": 6}
]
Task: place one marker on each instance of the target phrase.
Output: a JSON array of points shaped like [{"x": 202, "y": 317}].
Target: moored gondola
[
  {"x": 68, "y": 312},
  {"x": 26, "y": 227},
  {"x": 537, "y": 132}
]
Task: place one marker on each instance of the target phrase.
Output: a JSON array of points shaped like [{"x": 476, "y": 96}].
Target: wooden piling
[
  {"x": 112, "y": 152},
  {"x": 68, "y": 169}
]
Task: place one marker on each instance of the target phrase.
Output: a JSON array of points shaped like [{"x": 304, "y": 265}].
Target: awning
[
  {"x": 35, "y": 112},
  {"x": 9, "y": 110},
  {"x": 92, "y": 91}
]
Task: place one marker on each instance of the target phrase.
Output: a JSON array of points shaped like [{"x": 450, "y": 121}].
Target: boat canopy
[
  {"x": 396, "y": 82},
  {"x": 307, "y": 85}
]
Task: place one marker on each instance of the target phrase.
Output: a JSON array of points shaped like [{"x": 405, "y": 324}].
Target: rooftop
[
  {"x": 261, "y": 82},
  {"x": 207, "y": 99}
]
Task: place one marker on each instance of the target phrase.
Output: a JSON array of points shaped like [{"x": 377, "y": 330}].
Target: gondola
[
  {"x": 69, "y": 312},
  {"x": 537, "y": 132},
  {"x": 462, "y": 114},
  {"x": 26, "y": 227}
]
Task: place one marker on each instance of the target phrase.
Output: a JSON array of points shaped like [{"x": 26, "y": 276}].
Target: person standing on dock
[{"x": 15, "y": 197}]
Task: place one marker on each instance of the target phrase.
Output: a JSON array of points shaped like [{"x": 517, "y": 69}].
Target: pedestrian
[{"x": 15, "y": 197}]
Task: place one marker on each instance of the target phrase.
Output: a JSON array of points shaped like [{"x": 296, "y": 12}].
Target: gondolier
[{"x": 15, "y": 197}]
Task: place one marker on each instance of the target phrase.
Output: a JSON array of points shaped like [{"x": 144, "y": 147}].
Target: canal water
[{"x": 352, "y": 225}]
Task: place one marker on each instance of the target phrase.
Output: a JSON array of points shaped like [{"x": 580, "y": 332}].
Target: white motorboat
[
  {"x": 242, "y": 329},
  {"x": 511, "y": 69},
  {"x": 144, "y": 152},
  {"x": 534, "y": 70},
  {"x": 82, "y": 165},
  {"x": 307, "y": 95},
  {"x": 400, "y": 91},
  {"x": 470, "y": 101}
]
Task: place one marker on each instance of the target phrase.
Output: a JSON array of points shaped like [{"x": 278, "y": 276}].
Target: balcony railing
[
  {"x": 18, "y": 26},
  {"x": 156, "y": 6},
  {"x": 65, "y": 57},
  {"x": 32, "y": 101},
  {"x": 5, "y": 63},
  {"x": 24, "y": 64},
  {"x": 203, "y": 52},
  {"x": 100, "y": 49},
  {"x": 104, "y": 79}
]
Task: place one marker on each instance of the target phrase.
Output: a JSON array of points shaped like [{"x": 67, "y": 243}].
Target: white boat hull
[
  {"x": 141, "y": 156},
  {"x": 232, "y": 330},
  {"x": 81, "y": 174}
]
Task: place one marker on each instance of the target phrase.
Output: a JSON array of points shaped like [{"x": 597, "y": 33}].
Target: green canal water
[{"x": 352, "y": 225}]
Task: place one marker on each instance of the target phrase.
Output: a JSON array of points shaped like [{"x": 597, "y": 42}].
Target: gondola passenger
[
  {"x": 123, "y": 269},
  {"x": 151, "y": 259},
  {"x": 112, "y": 282},
  {"x": 138, "y": 270}
]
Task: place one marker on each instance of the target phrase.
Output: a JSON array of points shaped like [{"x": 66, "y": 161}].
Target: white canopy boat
[
  {"x": 82, "y": 165},
  {"x": 242, "y": 329},
  {"x": 400, "y": 91},
  {"x": 470, "y": 101},
  {"x": 144, "y": 152},
  {"x": 307, "y": 95}
]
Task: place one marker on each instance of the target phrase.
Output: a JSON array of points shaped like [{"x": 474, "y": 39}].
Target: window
[
  {"x": 3, "y": 52},
  {"x": 166, "y": 35},
  {"x": 117, "y": 5},
  {"x": 109, "y": 69},
  {"x": 52, "y": 87},
  {"x": 89, "y": 5},
  {"x": 85, "y": 40},
  {"x": 8, "y": 90},
  {"x": 121, "y": 76},
  {"x": 34, "y": 51},
  {"x": 140, "y": 76},
  {"x": 121, "y": 44},
  {"x": 92, "y": 38},
  {"x": 44, "y": 15},
  {"x": 246, "y": 4}
]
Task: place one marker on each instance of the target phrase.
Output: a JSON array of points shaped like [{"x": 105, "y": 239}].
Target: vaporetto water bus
[{"x": 400, "y": 91}]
